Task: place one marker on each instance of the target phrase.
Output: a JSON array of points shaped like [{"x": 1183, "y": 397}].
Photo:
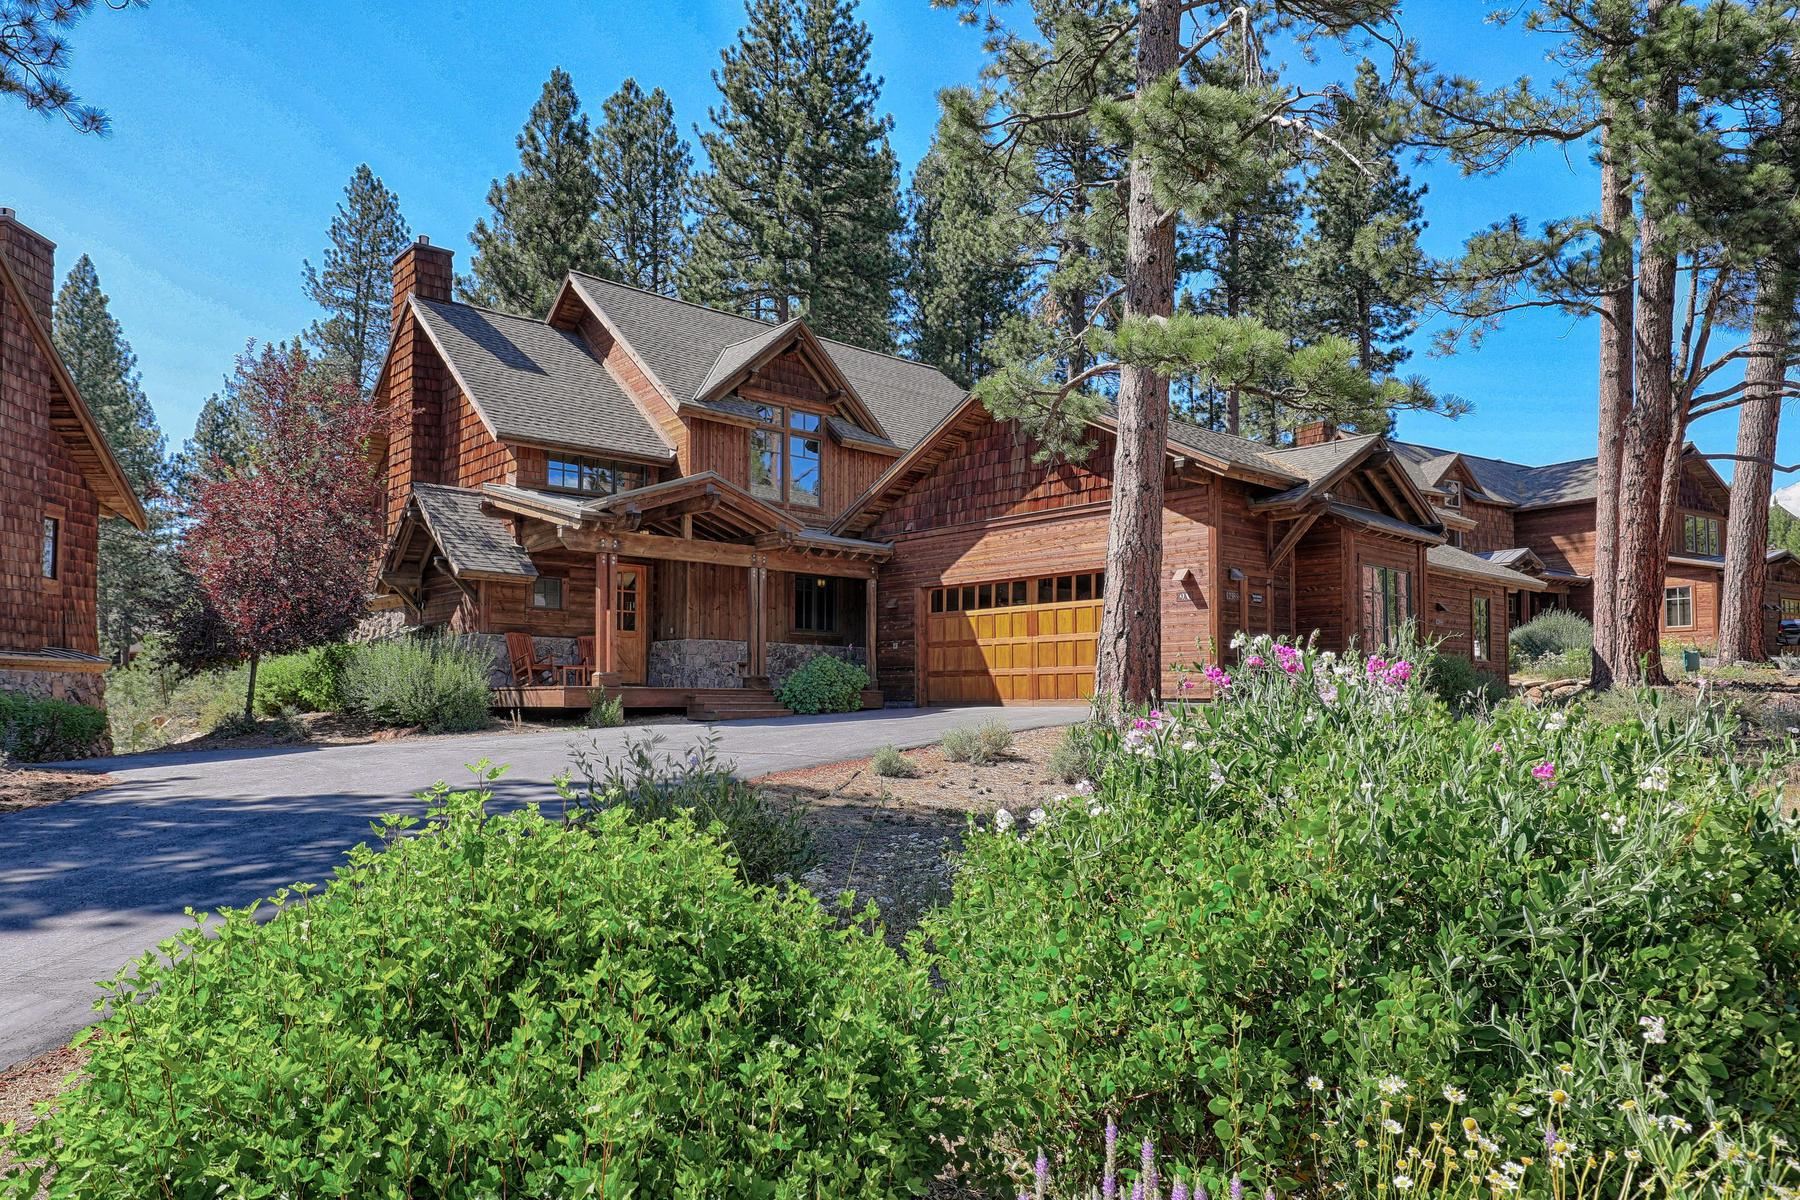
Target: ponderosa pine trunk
[
  {"x": 1129, "y": 664},
  {"x": 1615, "y": 404},
  {"x": 1747, "y": 525}
]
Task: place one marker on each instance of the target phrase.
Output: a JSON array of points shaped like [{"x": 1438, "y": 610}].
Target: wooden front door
[
  {"x": 631, "y": 621},
  {"x": 1020, "y": 641}
]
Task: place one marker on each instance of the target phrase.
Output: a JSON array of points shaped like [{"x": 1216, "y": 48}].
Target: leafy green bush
[
  {"x": 824, "y": 684},
  {"x": 1551, "y": 633},
  {"x": 1327, "y": 875},
  {"x": 980, "y": 745},
  {"x": 1072, "y": 759},
  {"x": 606, "y": 712},
  {"x": 439, "y": 683},
  {"x": 889, "y": 763},
  {"x": 767, "y": 832},
  {"x": 1463, "y": 686},
  {"x": 510, "y": 1006},
  {"x": 310, "y": 681},
  {"x": 155, "y": 701},
  {"x": 40, "y": 729}
]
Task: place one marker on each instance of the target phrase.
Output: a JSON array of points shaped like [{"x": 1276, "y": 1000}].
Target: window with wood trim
[
  {"x": 815, "y": 604},
  {"x": 547, "y": 592},
  {"x": 1480, "y": 628},
  {"x": 1387, "y": 604},
  {"x": 51, "y": 557},
  {"x": 1015, "y": 593},
  {"x": 786, "y": 455},
  {"x": 1790, "y": 606},
  {"x": 1678, "y": 607},
  {"x": 1700, "y": 535},
  {"x": 1453, "y": 493},
  {"x": 592, "y": 476}
]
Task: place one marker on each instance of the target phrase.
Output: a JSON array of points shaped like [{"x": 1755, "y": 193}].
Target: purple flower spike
[
  {"x": 1200, "y": 1192},
  {"x": 1179, "y": 1191},
  {"x": 1149, "y": 1162},
  {"x": 1237, "y": 1187},
  {"x": 1112, "y": 1133},
  {"x": 1137, "y": 1190},
  {"x": 1269, "y": 1194},
  {"x": 1549, "y": 1137},
  {"x": 1109, "y": 1183},
  {"x": 1043, "y": 1175}
]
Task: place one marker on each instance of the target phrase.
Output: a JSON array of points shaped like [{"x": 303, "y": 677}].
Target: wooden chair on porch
[
  {"x": 580, "y": 673},
  {"x": 527, "y": 668}
]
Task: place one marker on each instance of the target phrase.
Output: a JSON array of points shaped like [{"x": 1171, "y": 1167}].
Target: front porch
[{"x": 689, "y": 594}]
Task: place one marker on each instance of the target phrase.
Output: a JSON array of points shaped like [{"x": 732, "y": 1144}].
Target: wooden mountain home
[
  {"x": 682, "y": 506},
  {"x": 58, "y": 481}
]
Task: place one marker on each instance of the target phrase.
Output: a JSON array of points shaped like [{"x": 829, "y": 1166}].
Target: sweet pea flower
[
  {"x": 1545, "y": 773},
  {"x": 1255, "y": 660},
  {"x": 1217, "y": 677}
]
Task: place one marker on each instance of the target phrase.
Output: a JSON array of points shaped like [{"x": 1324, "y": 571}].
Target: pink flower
[
  {"x": 1400, "y": 672},
  {"x": 1499, "y": 747},
  {"x": 1217, "y": 677},
  {"x": 1377, "y": 665},
  {"x": 1187, "y": 683},
  {"x": 1291, "y": 665},
  {"x": 1255, "y": 660},
  {"x": 1544, "y": 773}
]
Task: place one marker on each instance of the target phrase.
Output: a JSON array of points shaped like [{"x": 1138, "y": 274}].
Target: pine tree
[
  {"x": 645, "y": 172},
  {"x": 135, "y": 569},
  {"x": 355, "y": 285},
  {"x": 1784, "y": 529},
  {"x": 541, "y": 224},
  {"x": 34, "y": 53},
  {"x": 965, "y": 266},
  {"x": 800, "y": 211},
  {"x": 1361, "y": 267},
  {"x": 221, "y": 441}
]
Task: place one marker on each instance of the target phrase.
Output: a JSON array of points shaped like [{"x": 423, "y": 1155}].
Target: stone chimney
[
  {"x": 1315, "y": 433},
  {"x": 422, "y": 269},
  {"x": 32, "y": 257}
]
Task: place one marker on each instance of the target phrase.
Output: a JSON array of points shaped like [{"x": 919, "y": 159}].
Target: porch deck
[{"x": 701, "y": 704}]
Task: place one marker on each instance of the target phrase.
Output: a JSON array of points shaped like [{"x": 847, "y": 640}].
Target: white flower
[
  {"x": 1656, "y": 779},
  {"x": 1524, "y": 1110},
  {"x": 1556, "y": 721},
  {"x": 1003, "y": 820},
  {"x": 1403, "y": 1182},
  {"x": 1391, "y": 1085},
  {"x": 1084, "y": 788},
  {"x": 1455, "y": 1095},
  {"x": 1314, "y": 1084},
  {"x": 1653, "y": 1030},
  {"x": 1501, "y": 1183},
  {"x": 1512, "y": 1168},
  {"x": 1392, "y": 1126},
  {"x": 1038, "y": 816},
  {"x": 1217, "y": 777},
  {"x": 1328, "y": 693},
  {"x": 1095, "y": 810},
  {"x": 1189, "y": 744},
  {"x": 1614, "y": 822}
]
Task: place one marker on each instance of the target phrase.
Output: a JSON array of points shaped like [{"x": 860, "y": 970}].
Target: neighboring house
[{"x": 58, "y": 481}]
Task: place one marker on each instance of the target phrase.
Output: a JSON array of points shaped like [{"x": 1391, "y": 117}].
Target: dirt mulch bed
[
  {"x": 32, "y": 787},
  {"x": 25, "y": 1086},
  {"x": 888, "y": 840}
]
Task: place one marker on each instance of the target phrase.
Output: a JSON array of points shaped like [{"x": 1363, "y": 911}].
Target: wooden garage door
[{"x": 1014, "y": 641}]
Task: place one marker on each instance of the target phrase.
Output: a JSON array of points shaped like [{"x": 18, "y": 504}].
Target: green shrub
[
  {"x": 1326, "y": 874},
  {"x": 155, "y": 701},
  {"x": 310, "y": 681},
  {"x": 1462, "y": 685},
  {"x": 980, "y": 745},
  {"x": 1072, "y": 759},
  {"x": 510, "y": 1006},
  {"x": 767, "y": 832},
  {"x": 1551, "y": 633},
  {"x": 889, "y": 763},
  {"x": 439, "y": 683},
  {"x": 39, "y": 729},
  {"x": 606, "y": 712},
  {"x": 824, "y": 684}
]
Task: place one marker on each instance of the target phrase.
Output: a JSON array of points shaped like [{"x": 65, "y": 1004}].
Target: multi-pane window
[
  {"x": 1790, "y": 606},
  {"x": 1678, "y": 607},
  {"x": 1700, "y": 535},
  {"x": 1479, "y": 628},
  {"x": 1452, "y": 493},
  {"x": 1013, "y": 593},
  {"x": 1387, "y": 600},
  {"x": 815, "y": 604},
  {"x": 593, "y": 477},
  {"x": 785, "y": 453},
  {"x": 547, "y": 592},
  {"x": 52, "y": 550}
]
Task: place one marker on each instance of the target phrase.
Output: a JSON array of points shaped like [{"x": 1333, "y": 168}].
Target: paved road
[{"x": 88, "y": 884}]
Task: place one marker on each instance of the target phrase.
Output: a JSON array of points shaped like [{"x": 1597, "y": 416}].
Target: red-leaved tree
[{"x": 283, "y": 547}]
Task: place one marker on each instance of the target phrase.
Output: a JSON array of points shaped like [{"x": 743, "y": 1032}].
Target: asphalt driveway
[{"x": 88, "y": 884}]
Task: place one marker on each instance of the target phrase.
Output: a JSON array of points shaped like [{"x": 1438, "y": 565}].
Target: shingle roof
[
  {"x": 537, "y": 383},
  {"x": 1450, "y": 558},
  {"x": 1380, "y": 521},
  {"x": 686, "y": 345},
  {"x": 1317, "y": 462},
  {"x": 738, "y": 355},
  {"x": 1227, "y": 448},
  {"x": 1423, "y": 464},
  {"x": 1509, "y": 556},
  {"x": 474, "y": 541},
  {"x": 1527, "y": 487}
]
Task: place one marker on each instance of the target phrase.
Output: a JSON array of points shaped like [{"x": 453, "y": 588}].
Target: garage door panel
[{"x": 1014, "y": 652}]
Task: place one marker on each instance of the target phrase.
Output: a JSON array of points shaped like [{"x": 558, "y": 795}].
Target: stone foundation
[
  {"x": 79, "y": 687},
  {"x": 556, "y": 649},
  {"x": 716, "y": 663}
]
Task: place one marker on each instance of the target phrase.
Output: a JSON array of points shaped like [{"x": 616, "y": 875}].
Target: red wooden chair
[
  {"x": 580, "y": 673},
  {"x": 527, "y": 667}
]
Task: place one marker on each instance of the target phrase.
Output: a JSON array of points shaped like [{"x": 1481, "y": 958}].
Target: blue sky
[{"x": 236, "y": 126}]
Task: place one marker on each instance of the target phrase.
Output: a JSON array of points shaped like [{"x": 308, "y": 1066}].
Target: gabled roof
[
  {"x": 1229, "y": 452},
  {"x": 1380, "y": 522},
  {"x": 71, "y": 419},
  {"x": 1456, "y": 561},
  {"x": 1322, "y": 461},
  {"x": 1513, "y": 557},
  {"x": 477, "y": 544},
  {"x": 1515, "y": 483},
  {"x": 532, "y": 382},
  {"x": 718, "y": 509},
  {"x": 689, "y": 350}
]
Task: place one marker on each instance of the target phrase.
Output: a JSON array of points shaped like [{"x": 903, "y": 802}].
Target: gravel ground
[{"x": 30, "y": 787}]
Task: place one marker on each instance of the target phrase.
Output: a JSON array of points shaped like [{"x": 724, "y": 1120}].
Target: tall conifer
[
  {"x": 541, "y": 220},
  {"x": 800, "y": 211},
  {"x": 645, "y": 173},
  {"x": 354, "y": 286}
]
